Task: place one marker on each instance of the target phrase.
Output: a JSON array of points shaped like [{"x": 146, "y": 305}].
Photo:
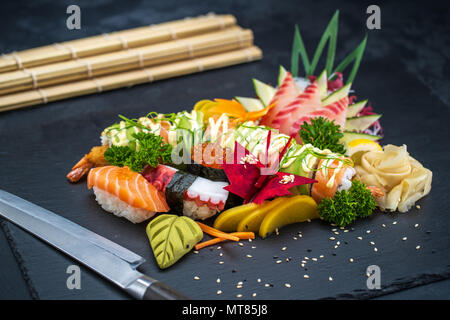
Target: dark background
[{"x": 404, "y": 73}]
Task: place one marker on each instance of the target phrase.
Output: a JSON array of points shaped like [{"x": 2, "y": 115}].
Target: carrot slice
[
  {"x": 216, "y": 233},
  {"x": 240, "y": 235}
]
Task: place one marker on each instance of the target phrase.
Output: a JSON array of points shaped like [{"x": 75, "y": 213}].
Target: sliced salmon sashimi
[{"x": 129, "y": 186}]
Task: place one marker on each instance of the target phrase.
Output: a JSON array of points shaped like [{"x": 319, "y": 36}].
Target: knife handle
[
  {"x": 160, "y": 291},
  {"x": 146, "y": 288}
]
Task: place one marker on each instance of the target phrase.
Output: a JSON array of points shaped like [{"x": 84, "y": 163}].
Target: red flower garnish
[{"x": 256, "y": 182}]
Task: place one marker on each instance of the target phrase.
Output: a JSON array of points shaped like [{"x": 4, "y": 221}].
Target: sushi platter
[
  {"x": 302, "y": 150},
  {"x": 254, "y": 193}
]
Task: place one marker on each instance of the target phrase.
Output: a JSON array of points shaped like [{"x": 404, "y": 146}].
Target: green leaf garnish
[
  {"x": 171, "y": 237},
  {"x": 150, "y": 150},
  {"x": 322, "y": 134},
  {"x": 330, "y": 36},
  {"x": 346, "y": 206}
]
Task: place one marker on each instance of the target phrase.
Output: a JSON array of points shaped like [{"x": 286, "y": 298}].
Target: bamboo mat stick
[
  {"x": 129, "y": 78},
  {"x": 115, "y": 41},
  {"x": 207, "y": 44}
]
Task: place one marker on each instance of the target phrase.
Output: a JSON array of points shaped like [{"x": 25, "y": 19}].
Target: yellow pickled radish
[
  {"x": 253, "y": 220},
  {"x": 229, "y": 219},
  {"x": 292, "y": 210}
]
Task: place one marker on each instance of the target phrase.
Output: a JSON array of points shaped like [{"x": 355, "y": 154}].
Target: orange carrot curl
[
  {"x": 240, "y": 235},
  {"x": 216, "y": 233}
]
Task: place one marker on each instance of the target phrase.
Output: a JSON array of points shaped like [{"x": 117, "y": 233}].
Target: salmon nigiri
[
  {"x": 126, "y": 193},
  {"x": 332, "y": 175}
]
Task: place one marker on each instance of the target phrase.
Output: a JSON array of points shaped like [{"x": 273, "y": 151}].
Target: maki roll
[{"x": 191, "y": 195}]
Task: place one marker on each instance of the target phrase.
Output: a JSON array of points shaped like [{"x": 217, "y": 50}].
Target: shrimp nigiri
[{"x": 332, "y": 175}]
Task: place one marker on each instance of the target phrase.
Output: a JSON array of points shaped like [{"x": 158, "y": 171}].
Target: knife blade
[{"x": 110, "y": 260}]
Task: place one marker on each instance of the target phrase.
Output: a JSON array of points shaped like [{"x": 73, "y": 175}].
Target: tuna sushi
[
  {"x": 193, "y": 196},
  {"x": 126, "y": 193}
]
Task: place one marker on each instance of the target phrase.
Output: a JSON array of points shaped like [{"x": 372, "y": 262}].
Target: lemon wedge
[{"x": 356, "y": 148}]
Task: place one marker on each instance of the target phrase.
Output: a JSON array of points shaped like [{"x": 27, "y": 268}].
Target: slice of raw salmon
[{"x": 129, "y": 186}]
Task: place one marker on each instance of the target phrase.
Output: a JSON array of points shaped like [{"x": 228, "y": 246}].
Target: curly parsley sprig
[
  {"x": 346, "y": 206},
  {"x": 322, "y": 134},
  {"x": 150, "y": 150}
]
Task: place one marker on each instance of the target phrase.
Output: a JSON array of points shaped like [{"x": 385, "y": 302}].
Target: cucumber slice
[
  {"x": 322, "y": 83},
  {"x": 264, "y": 92},
  {"x": 361, "y": 123},
  {"x": 250, "y": 104},
  {"x": 337, "y": 95},
  {"x": 281, "y": 75},
  {"x": 350, "y": 136},
  {"x": 353, "y": 109}
]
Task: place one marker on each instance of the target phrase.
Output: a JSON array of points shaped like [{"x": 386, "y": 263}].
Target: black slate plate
[{"x": 39, "y": 145}]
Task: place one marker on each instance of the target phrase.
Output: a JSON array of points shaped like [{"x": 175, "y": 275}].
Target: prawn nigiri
[
  {"x": 126, "y": 193},
  {"x": 332, "y": 175}
]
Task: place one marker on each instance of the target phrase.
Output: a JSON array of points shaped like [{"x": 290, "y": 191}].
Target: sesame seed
[
  {"x": 345, "y": 230},
  {"x": 267, "y": 285},
  {"x": 418, "y": 206},
  {"x": 259, "y": 280},
  {"x": 314, "y": 259},
  {"x": 333, "y": 224},
  {"x": 220, "y": 262},
  {"x": 239, "y": 286},
  {"x": 321, "y": 256},
  {"x": 416, "y": 225},
  {"x": 306, "y": 258},
  {"x": 276, "y": 231},
  {"x": 395, "y": 222},
  {"x": 254, "y": 294},
  {"x": 195, "y": 251},
  {"x": 253, "y": 247},
  {"x": 218, "y": 280},
  {"x": 351, "y": 260},
  {"x": 338, "y": 243},
  {"x": 332, "y": 238},
  {"x": 303, "y": 265},
  {"x": 250, "y": 240},
  {"x": 220, "y": 254},
  {"x": 295, "y": 238},
  {"x": 359, "y": 238},
  {"x": 342, "y": 228},
  {"x": 330, "y": 278},
  {"x": 279, "y": 261},
  {"x": 372, "y": 243},
  {"x": 249, "y": 256},
  {"x": 300, "y": 236},
  {"x": 368, "y": 231},
  {"x": 335, "y": 247},
  {"x": 240, "y": 244},
  {"x": 404, "y": 238},
  {"x": 375, "y": 249},
  {"x": 368, "y": 274},
  {"x": 219, "y": 247},
  {"x": 196, "y": 278},
  {"x": 309, "y": 220},
  {"x": 219, "y": 291},
  {"x": 283, "y": 249},
  {"x": 239, "y": 296},
  {"x": 383, "y": 225},
  {"x": 287, "y": 285},
  {"x": 240, "y": 283},
  {"x": 336, "y": 232},
  {"x": 303, "y": 261},
  {"x": 306, "y": 276},
  {"x": 418, "y": 247},
  {"x": 334, "y": 229}
]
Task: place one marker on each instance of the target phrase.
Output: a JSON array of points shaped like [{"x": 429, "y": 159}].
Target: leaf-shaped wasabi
[{"x": 171, "y": 237}]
